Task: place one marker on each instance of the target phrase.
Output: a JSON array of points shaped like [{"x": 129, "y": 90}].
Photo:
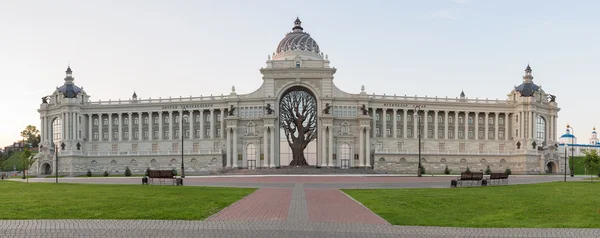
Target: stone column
[
  {"x": 446, "y": 125},
  {"x": 223, "y": 122},
  {"x": 202, "y": 124},
  {"x": 415, "y": 123},
  {"x": 330, "y": 164},
  {"x": 368, "y": 151},
  {"x": 395, "y": 121},
  {"x": 425, "y": 124},
  {"x": 374, "y": 121},
  {"x": 212, "y": 124},
  {"x": 129, "y": 126},
  {"x": 496, "y": 125},
  {"x": 487, "y": 125},
  {"x": 91, "y": 126},
  {"x": 140, "y": 126},
  {"x": 120, "y": 126},
  {"x": 74, "y": 125},
  {"x": 100, "y": 132},
  {"x": 273, "y": 131},
  {"x": 150, "y": 126},
  {"x": 466, "y": 125},
  {"x": 435, "y": 125},
  {"x": 456, "y": 124},
  {"x": 533, "y": 124},
  {"x": 160, "y": 125},
  {"x": 384, "y": 123},
  {"x": 476, "y": 121},
  {"x": 265, "y": 147},
  {"x": 110, "y": 131},
  {"x": 324, "y": 144},
  {"x": 360, "y": 147},
  {"x": 42, "y": 131},
  {"x": 171, "y": 128},
  {"x": 506, "y": 123},
  {"x": 191, "y": 119},
  {"x": 229, "y": 152},
  {"x": 404, "y": 124},
  {"x": 181, "y": 134},
  {"x": 65, "y": 128},
  {"x": 235, "y": 146}
]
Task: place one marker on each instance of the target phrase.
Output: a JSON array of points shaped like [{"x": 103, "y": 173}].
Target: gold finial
[
  {"x": 594, "y": 128},
  {"x": 568, "y": 126}
]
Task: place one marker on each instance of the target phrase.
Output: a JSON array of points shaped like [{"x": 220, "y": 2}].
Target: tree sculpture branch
[{"x": 298, "y": 110}]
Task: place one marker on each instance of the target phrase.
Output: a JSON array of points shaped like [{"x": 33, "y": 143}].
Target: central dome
[{"x": 298, "y": 41}]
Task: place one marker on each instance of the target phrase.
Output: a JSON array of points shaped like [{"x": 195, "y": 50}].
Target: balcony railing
[
  {"x": 129, "y": 153},
  {"x": 445, "y": 152}
]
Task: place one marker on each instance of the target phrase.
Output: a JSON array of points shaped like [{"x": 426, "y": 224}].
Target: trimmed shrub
[
  {"x": 89, "y": 173},
  {"x": 174, "y": 172},
  {"x": 147, "y": 169},
  {"x": 447, "y": 170},
  {"x": 507, "y": 171},
  {"x": 105, "y": 173},
  {"x": 468, "y": 170},
  {"x": 488, "y": 171},
  {"x": 422, "y": 169},
  {"x": 127, "y": 171}
]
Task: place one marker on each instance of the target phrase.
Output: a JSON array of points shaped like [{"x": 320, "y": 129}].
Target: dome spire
[{"x": 297, "y": 25}]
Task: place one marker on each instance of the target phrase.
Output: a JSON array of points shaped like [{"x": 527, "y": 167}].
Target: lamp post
[
  {"x": 417, "y": 108},
  {"x": 182, "y": 135},
  {"x": 572, "y": 150},
  {"x": 566, "y": 148},
  {"x": 55, "y": 147}
]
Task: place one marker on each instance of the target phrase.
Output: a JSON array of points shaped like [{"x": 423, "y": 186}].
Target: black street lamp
[
  {"x": 572, "y": 150},
  {"x": 182, "y": 134},
  {"x": 417, "y": 108},
  {"x": 55, "y": 148},
  {"x": 566, "y": 148}
]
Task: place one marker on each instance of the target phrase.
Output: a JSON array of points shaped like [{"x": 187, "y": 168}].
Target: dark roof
[
  {"x": 462, "y": 94},
  {"x": 69, "y": 90},
  {"x": 527, "y": 89}
]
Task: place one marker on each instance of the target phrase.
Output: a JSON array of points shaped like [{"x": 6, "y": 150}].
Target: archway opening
[
  {"x": 298, "y": 127},
  {"x": 46, "y": 168},
  {"x": 551, "y": 168}
]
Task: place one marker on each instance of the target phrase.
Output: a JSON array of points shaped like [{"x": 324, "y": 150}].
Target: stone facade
[{"x": 242, "y": 130}]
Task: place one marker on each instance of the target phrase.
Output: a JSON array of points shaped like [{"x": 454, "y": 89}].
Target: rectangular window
[
  {"x": 207, "y": 132},
  {"x": 156, "y": 120},
  {"x": 146, "y": 137},
  {"x": 136, "y": 135},
  {"x": 480, "y": 135},
  {"x": 167, "y": 119},
  {"x": 470, "y": 120},
  {"x": 136, "y": 121},
  {"x": 154, "y": 147},
  {"x": 197, "y": 133},
  {"x": 379, "y": 145},
  {"x": 95, "y": 148},
  {"x": 105, "y": 121},
  {"x": 145, "y": 120},
  {"x": 491, "y": 134},
  {"x": 451, "y": 134},
  {"x": 116, "y": 121},
  {"x": 470, "y": 135},
  {"x": 176, "y": 133},
  {"x": 207, "y": 118},
  {"x": 450, "y": 120},
  {"x": 501, "y": 134},
  {"x": 461, "y": 134},
  {"x": 126, "y": 121},
  {"x": 96, "y": 122},
  {"x": 429, "y": 133},
  {"x": 376, "y": 117},
  {"x": 377, "y": 132},
  {"x": 387, "y": 117},
  {"x": 165, "y": 134},
  {"x": 388, "y": 132},
  {"x": 409, "y": 133},
  {"x": 219, "y": 132},
  {"x": 491, "y": 121},
  {"x": 440, "y": 120},
  {"x": 126, "y": 135},
  {"x": 105, "y": 136},
  {"x": 95, "y": 135},
  {"x": 399, "y": 133},
  {"x": 197, "y": 118},
  {"x": 134, "y": 147},
  {"x": 440, "y": 134},
  {"x": 409, "y": 118},
  {"x": 501, "y": 121},
  {"x": 155, "y": 134}
]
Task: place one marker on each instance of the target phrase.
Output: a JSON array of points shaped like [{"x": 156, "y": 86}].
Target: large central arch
[{"x": 298, "y": 117}]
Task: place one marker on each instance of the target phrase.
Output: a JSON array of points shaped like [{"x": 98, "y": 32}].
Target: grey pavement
[
  {"x": 153, "y": 228},
  {"x": 298, "y": 208}
]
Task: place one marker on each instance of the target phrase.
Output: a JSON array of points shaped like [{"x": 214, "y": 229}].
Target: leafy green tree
[
  {"x": 31, "y": 135},
  {"x": 591, "y": 162},
  {"x": 488, "y": 170},
  {"x": 105, "y": 173},
  {"x": 446, "y": 170},
  {"x": 27, "y": 161},
  {"x": 89, "y": 173},
  {"x": 507, "y": 171},
  {"x": 127, "y": 171}
]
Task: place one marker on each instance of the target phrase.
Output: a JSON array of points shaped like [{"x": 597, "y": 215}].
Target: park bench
[
  {"x": 163, "y": 176},
  {"x": 499, "y": 178},
  {"x": 471, "y": 178}
]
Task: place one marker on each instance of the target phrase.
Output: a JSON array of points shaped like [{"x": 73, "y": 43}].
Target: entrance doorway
[
  {"x": 46, "y": 169},
  {"x": 551, "y": 168}
]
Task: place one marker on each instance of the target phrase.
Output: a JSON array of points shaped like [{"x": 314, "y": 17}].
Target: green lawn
[
  {"x": 111, "y": 175},
  {"x": 97, "y": 201},
  {"x": 558, "y": 204}
]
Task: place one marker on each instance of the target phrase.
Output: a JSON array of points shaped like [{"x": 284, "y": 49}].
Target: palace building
[{"x": 354, "y": 130}]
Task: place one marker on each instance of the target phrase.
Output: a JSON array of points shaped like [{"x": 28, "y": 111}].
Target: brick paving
[
  {"x": 265, "y": 204},
  {"x": 331, "y": 205}
]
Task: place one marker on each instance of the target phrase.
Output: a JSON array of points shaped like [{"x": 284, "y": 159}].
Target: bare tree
[{"x": 298, "y": 117}]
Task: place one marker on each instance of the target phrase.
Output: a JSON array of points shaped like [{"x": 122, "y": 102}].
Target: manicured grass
[
  {"x": 110, "y": 175},
  {"x": 15, "y": 161},
  {"x": 558, "y": 204},
  {"x": 97, "y": 201}
]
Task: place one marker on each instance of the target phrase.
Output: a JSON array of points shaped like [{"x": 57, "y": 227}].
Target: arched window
[
  {"x": 173, "y": 161},
  {"x": 345, "y": 128},
  {"x": 460, "y": 120},
  {"x": 251, "y": 129},
  {"x": 94, "y": 162},
  {"x": 500, "y": 121},
  {"x": 251, "y": 151},
  {"x": 450, "y": 119},
  {"x": 429, "y": 118},
  {"x": 470, "y": 120},
  {"x": 443, "y": 160},
  {"x": 541, "y": 129},
  {"x": 402, "y": 160},
  {"x": 133, "y": 161},
  {"x": 297, "y": 64},
  {"x": 113, "y": 161},
  {"x": 153, "y": 161},
  {"x": 480, "y": 120},
  {"x": 56, "y": 131},
  {"x": 440, "y": 120},
  {"x": 95, "y": 121},
  {"x": 463, "y": 161}
]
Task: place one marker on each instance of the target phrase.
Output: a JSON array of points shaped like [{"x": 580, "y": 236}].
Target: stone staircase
[{"x": 297, "y": 170}]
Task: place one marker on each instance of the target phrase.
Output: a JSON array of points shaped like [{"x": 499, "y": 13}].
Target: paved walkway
[{"x": 283, "y": 206}]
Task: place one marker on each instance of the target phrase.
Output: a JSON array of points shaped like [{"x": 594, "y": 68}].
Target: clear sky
[{"x": 183, "y": 48}]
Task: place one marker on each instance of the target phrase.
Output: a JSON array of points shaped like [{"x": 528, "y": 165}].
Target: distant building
[
  {"x": 16, "y": 146},
  {"x": 575, "y": 148}
]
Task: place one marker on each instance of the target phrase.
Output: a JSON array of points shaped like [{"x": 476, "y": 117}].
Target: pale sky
[{"x": 182, "y": 48}]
